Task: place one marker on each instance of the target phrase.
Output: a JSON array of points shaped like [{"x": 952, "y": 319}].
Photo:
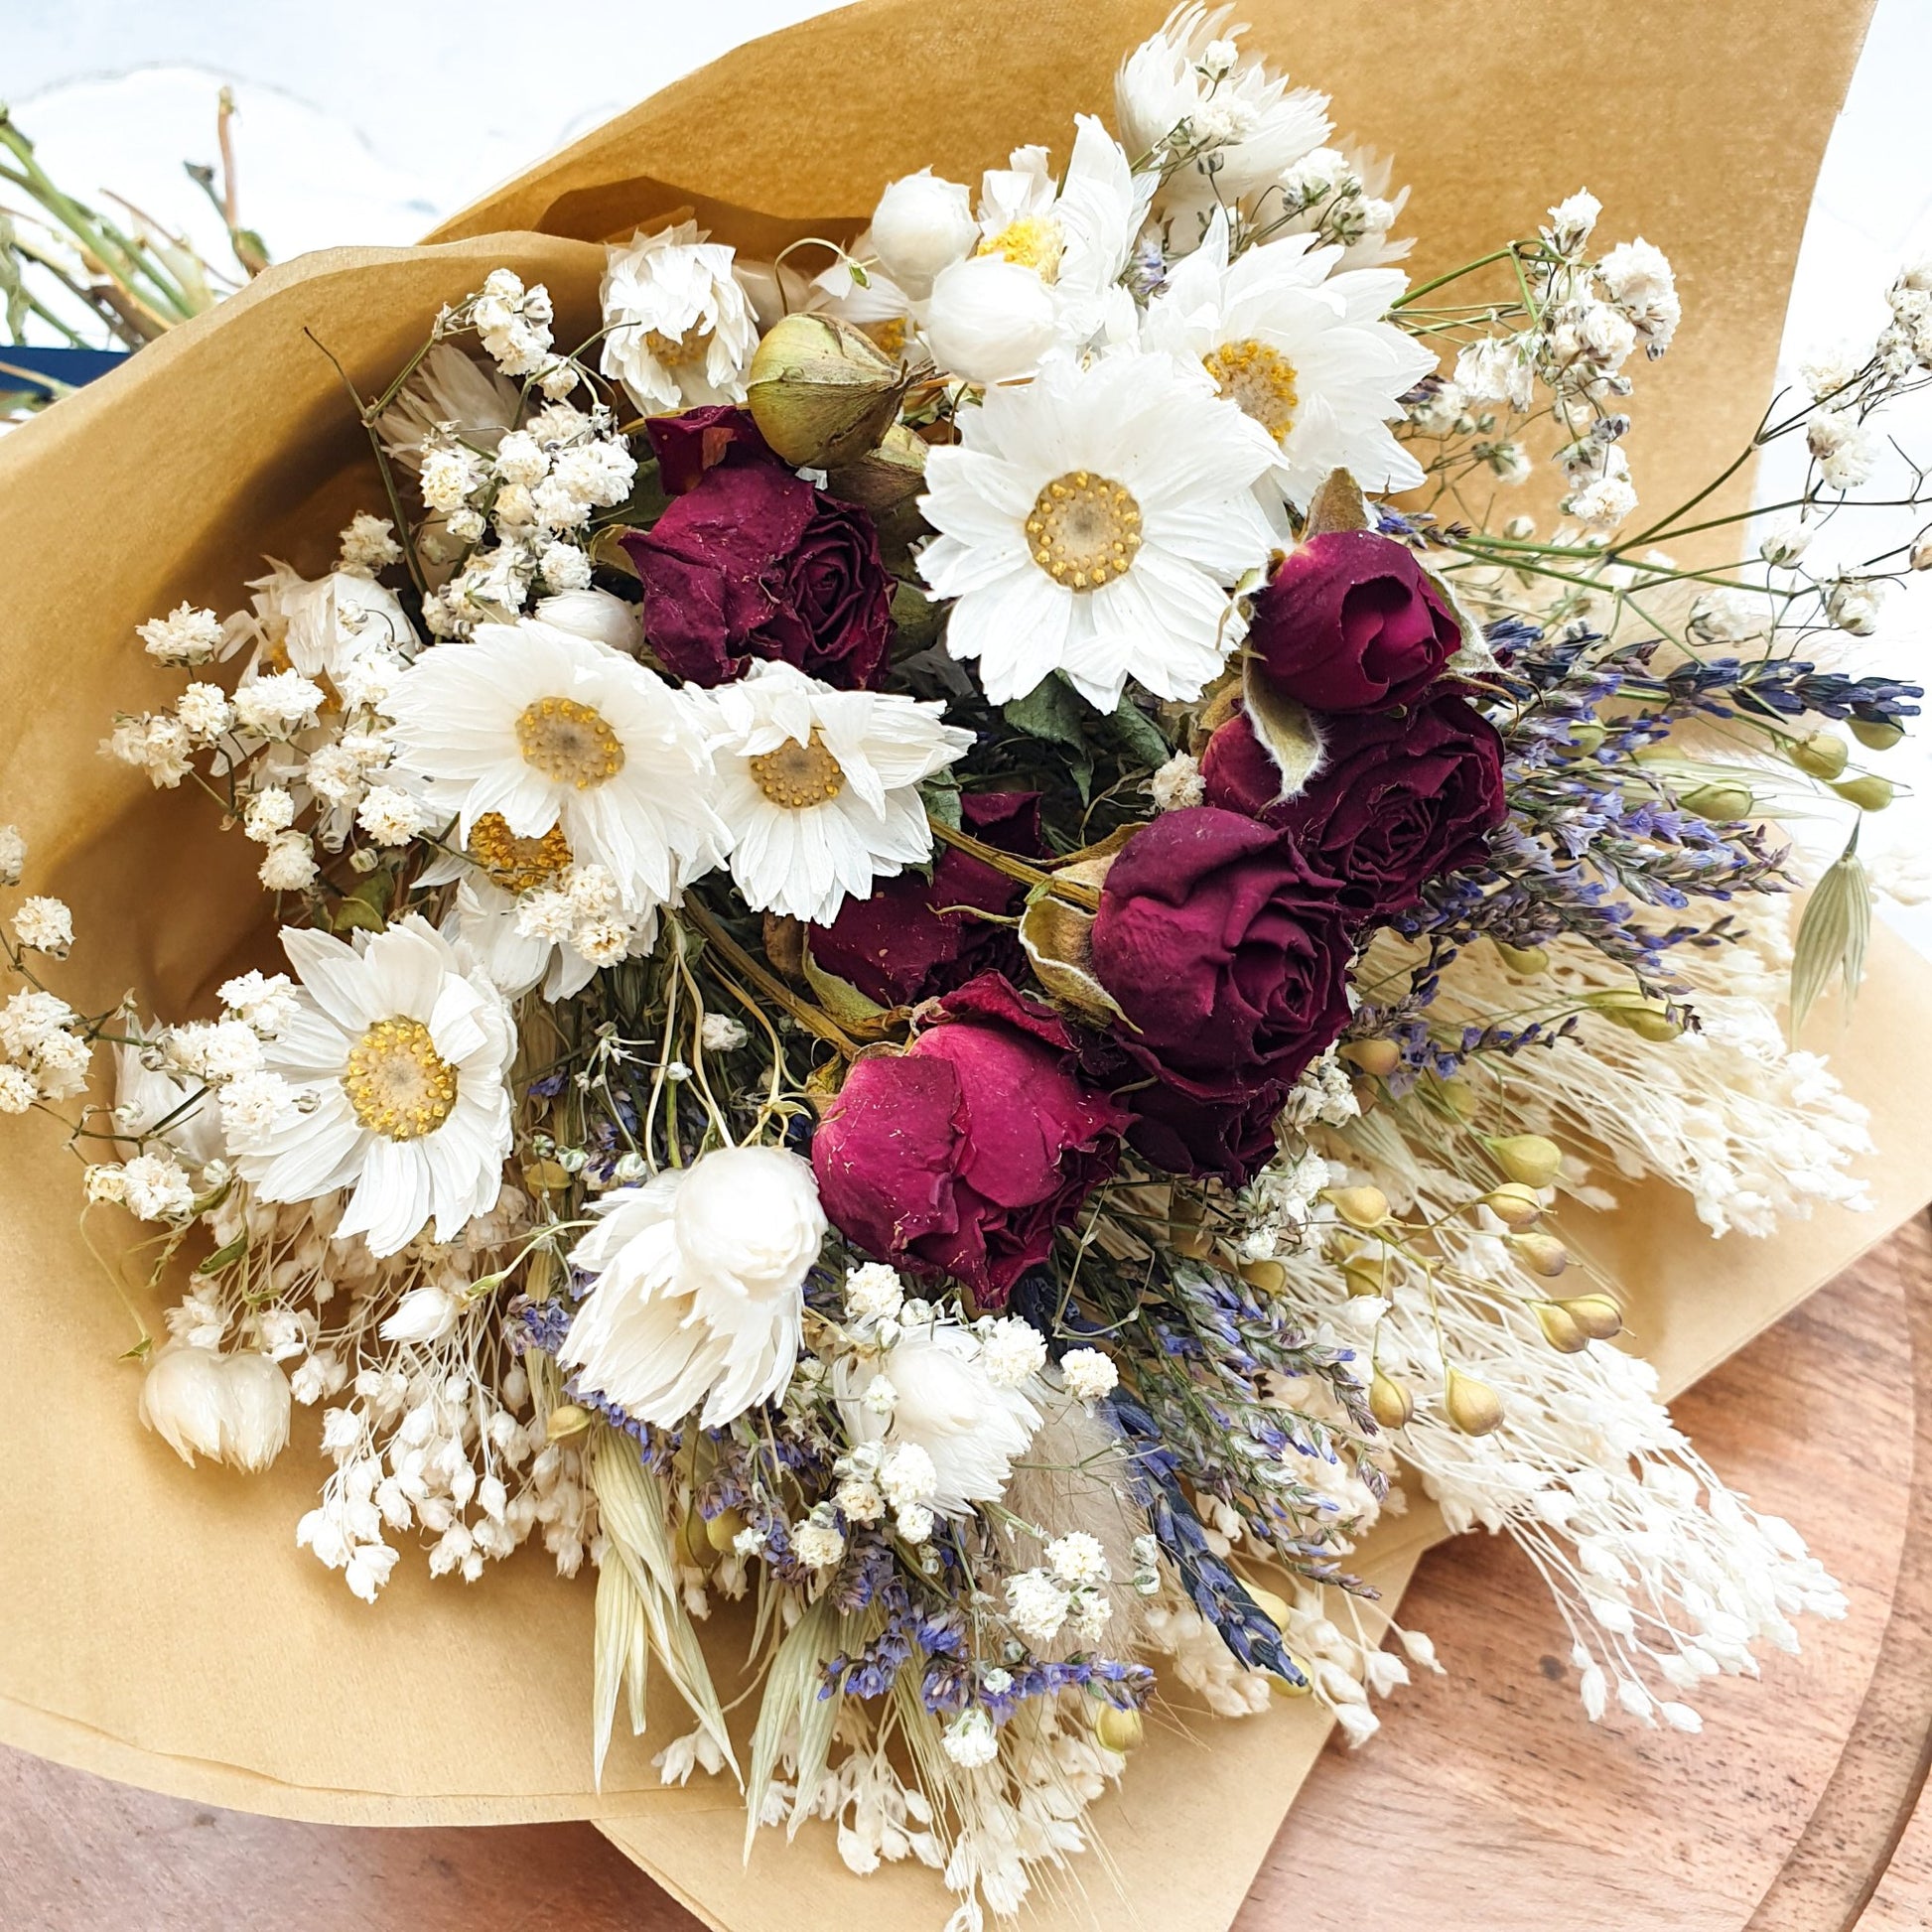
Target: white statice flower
[
  {"x": 186, "y": 635},
  {"x": 399, "y": 1057},
  {"x": 319, "y": 626},
  {"x": 1090, "y": 523},
  {"x": 819, "y": 788},
  {"x": 44, "y": 924},
  {"x": 232, "y": 1409},
  {"x": 1190, "y": 94},
  {"x": 532, "y": 737},
  {"x": 1087, "y": 1375},
  {"x": 1073, "y": 236},
  {"x": 699, "y": 1286},
  {"x": 155, "y": 1188},
  {"x": 13, "y": 855},
  {"x": 949, "y": 1408},
  {"x": 1305, "y": 351},
  {"x": 678, "y": 328},
  {"x": 1177, "y": 784},
  {"x": 923, "y": 224},
  {"x": 513, "y": 323}
]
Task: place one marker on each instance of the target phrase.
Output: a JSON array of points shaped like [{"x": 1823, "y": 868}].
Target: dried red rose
[
  {"x": 962, "y": 1155},
  {"x": 1400, "y": 798},
  {"x": 750, "y": 561},
  {"x": 913, "y": 938},
  {"x": 1227, "y": 951},
  {"x": 1349, "y": 622}
]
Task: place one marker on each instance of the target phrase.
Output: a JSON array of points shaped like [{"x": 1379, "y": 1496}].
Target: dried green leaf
[
  {"x": 1284, "y": 728},
  {"x": 1832, "y": 936},
  {"x": 1337, "y": 504}
]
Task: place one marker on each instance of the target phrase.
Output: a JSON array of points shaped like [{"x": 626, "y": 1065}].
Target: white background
[{"x": 367, "y": 120}]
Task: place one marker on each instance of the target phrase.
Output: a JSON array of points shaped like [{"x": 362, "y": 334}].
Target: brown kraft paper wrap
[{"x": 158, "y": 1624}]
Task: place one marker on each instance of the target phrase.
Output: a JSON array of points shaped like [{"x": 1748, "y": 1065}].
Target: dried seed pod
[
  {"x": 1822, "y": 755},
  {"x": 1526, "y": 961},
  {"x": 1270, "y": 1277},
  {"x": 1118, "y": 1731},
  {"x": 1560, "y": 1328},
  {"x": 1380, "y": 1057},
  {"x": 1598, "y": 1316},
  {"x": 1635, "y": 1012},
  {"x": 1472, "y": 1407},
  {"x": 1542, "y": 1253},
  {"x": 566, "y": 1421},
  {"x": 1365, "y": 1275},
  {"x": 1514, "y": 1204},
  {"x": 722, "y": 1531},
  {"x": 1530, "y": 1160},
  {"x": 1389, "y": 1401},
  {"x": 1875, "y": 734},
  {"x": 1273, "y": 1608},
  {"x": 1868, "y": 791},
  {"x": 822, "y": 392},
  {"x": 1719, "y": 801},
  {"x": 1360, "y": 1207}
]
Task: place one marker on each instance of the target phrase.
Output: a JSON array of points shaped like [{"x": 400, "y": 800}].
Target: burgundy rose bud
[
  {"x": 1227, "y": 951},
  {"x": 962, "y": 1155},
  {"x": 1349, "y": 622},
  {"x": 687, "y": 446},
  {"x": 1400, "y": 798},
  {"x": 913, "y": 938},
  {"x": 751, "y": 561}
]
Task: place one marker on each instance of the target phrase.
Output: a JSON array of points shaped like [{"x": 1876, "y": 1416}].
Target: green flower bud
[
  {"x": 822, "y": 392},
  {"x": 1822, "y": 755},
  {"x": 1875, "y": 735},
  {"x": 1867, "y": 792},
  {"x": 1530, "y": 1160},
  {"x": 1587, "y": 736}
]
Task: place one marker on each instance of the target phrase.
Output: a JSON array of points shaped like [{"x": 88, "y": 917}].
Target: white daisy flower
[
  {"x": 532, "y": 734},
  {"x": 1075, "y": 237},
  {"x": 1306, "y": 354},
  {"x": 1089, "y": 524},
  {"x": 680, "y": 331},
  {"x": 398, "y": 1060},
  {"x": 820, "y": 788},
  {"x": 1189, "y": 92}
]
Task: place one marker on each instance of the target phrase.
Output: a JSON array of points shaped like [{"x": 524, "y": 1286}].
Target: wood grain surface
[{"x": 1487, "y": 1805}]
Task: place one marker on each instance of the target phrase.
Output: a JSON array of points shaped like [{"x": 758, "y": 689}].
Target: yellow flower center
[
  {"x": 398, "y": 1083},
  {"x": 1034, "y": 241},
  {"x": 888, "y": 334},
  {"x": 1083, "y": 529},
  {"x": 798, "y": 777},
  {"x": 1258, "y": 378},
  {"x": 568, "y": 742},
  {"x": 677, "y": 352},
  {"x": 516, "y": 864}
]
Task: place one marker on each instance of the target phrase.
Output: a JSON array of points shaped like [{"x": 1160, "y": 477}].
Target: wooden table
[{"x": 1487, "y": 1805}]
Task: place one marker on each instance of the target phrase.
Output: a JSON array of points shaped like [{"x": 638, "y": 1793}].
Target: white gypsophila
[
  {"x": 1307, "y": 352},
  {"x": 549, "y": 751},
  {"x": 319, "y": 625},
  {"x": 204, "y": 712},
  {"x": 399, "y": 1060},
  {"x": 186, "y": 635},
  {"x": 699, "y": 1286},
  {"x": 369, "y": 544},
  {"x": 1036, "y": 1605},
  {"x": 276, "y": 705},
  {"x": 17, "y": 1090},
  {"x": 1641, "y": 281},
  {"x": 290, "y": 864},
  {"x": 44, "y": 924},
  {"x": 61, "y": 1065},
  {"x": 678, "y": 329},
  {"x": 155, "y": 1102},
  {"x": 155, "y": 1188},
  {"x": 13, "y": 855},
  {"x": 1013, "y": 1350},
  {"x": 873, "y": 1291},
  {"x": 156, "y": 744},
  {"x": 819, "y": 788},
  {"x": 513, "y": 323},
  {"x": 263, "y": 1001},
  {"x": 1189, "y": 92},
  {"x": 213, "y": 1050},
  {"x": 1091, "y": 523},
  {"x": 1853, "y": 604},
  {"x": 31, "y": 1017},
  {"x": 555, "y": 935},
  {"x": 968, "y": 1428},
  {"x": 1087, "y": 1375},
  {"x": 1078, "y": 1558},
  {"x": 719, "y": 1033},
  {"x": 817, "y": 1542},
  {"x": 1177, "y": 784},
  {"x": 971, "y": 1740}
]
